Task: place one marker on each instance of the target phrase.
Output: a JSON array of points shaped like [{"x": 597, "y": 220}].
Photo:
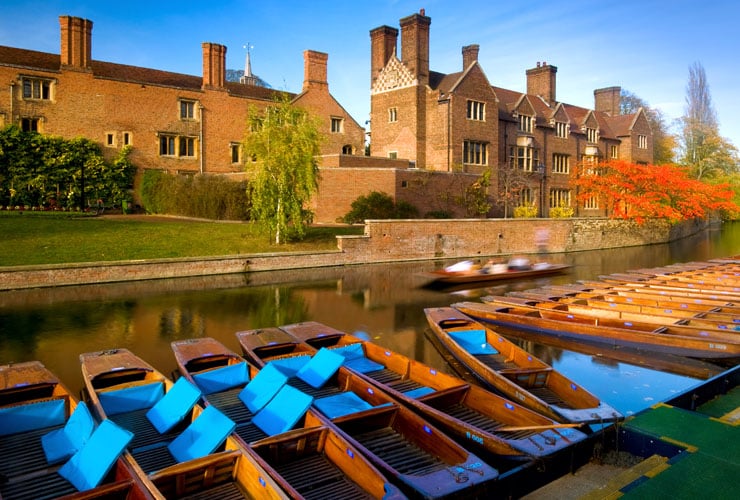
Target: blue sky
[{"x": 645, "y": 46}]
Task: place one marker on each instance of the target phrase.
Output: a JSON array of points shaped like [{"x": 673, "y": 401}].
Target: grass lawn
[{"x": 56, "y": 238}]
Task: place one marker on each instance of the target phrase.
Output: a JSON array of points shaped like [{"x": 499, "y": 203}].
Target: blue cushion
[
  {"x": 131, "y": 398},
  {"x": 174, "y": 406},
  {"x": 60, "y": 444},
  {"x": 290, "y": 365},
  {"x": 419, "y": 392},
  {"x": 203, "y": 436},
  {"x": 354, "y": 358},
  {"x": 473, "y": 341},
  {"x": 28, "y": 417},
  {"x": 283, "y": 411},
  {"x": 87, "y": 468},
  {"x": 341, "y": 404},
  {"x": 322, "y": 366},
  {"x": 222, "y": 379},
  {"x": 263, "y": 387}
]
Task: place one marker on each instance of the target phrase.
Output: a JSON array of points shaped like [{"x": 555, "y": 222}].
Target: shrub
[
  {"x": 377, "y": 205},
  {"x": 561, "y": 212},
  {"x": 525, "y": 211},
  {"x": 438, "y": 214}
]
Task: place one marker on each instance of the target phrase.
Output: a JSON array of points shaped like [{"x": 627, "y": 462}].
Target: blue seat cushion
[
  {"x": 174, "y": 406},
  {"x": 355, "y": 359},
  {"x": 419, "y": 392},
  {"x": 338, "y": 405},
  {"x": 320, "y": 368},
  {"x": 222, "y": 379},
  {"x": 87, "y": 468},
  {"x": 131, "y": 398},
  {"x": 473, "y": 341},
  {"x": 283, "y": 411},
  {"x": 32, "y": 416},
  {"x": 263, "y": 387},
  {"x": 203, "y": 436},
  {"x": 291, "y": 364},
  {"x": 61, "y": 444}
]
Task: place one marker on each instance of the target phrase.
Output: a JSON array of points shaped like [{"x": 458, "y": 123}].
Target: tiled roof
[{"x": 10, "y": 56}]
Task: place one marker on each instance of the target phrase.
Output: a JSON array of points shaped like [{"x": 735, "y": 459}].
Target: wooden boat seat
[
  {"x": 212, "y": 474},
  {"x": 315, "y": 476},
  {"x": 496, "y": 361},
  {"x": 528, "y": 377}
]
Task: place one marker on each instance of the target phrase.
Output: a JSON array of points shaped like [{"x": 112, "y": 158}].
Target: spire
[{"x": 248, "y": 78}]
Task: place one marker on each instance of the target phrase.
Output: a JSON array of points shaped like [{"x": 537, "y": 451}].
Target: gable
[{"x": 393, "y": 76}]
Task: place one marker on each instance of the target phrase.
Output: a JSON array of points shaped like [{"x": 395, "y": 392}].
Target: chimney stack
[
  {"x": 608, "y": 100},
  {"x": 383, "y": 41},
  {"x": 541, "y": 81},
  {"x": 470, "y": 55},
  {"x": 415, "y": 45},
  {"x": 314, "y": 70},
  {"x": 76, "y": 42},
  {"x": 214, "y": 65}
]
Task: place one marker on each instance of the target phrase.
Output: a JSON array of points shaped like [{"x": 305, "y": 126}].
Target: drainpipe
[
  {"x": 200, "y": 139},
  {"x": 12, "y": 87}
]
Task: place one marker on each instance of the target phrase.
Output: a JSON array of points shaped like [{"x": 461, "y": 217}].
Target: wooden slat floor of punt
[
  {"x": 328, "y": 389},
  {"x": 477, "y": 419},
  {"x": 22, "y": 453},
  {"x": 495, "y": 361},
  {"x": 399, "y": 453},
  {"x": 548, "y": 396},
  {"x": 43, "y": 487},
  {"x": 229, "y": 404},
  {"x": 145, "y": 434},
  {"x": 154, "y": 458},
  {"x": 315, "y": 477},
  {"x": 224, "y": 491},
  {"x": 393, "y": 380}
]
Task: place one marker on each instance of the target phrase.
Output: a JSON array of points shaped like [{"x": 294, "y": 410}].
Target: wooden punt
[
  {"x": 476, "y": 417},
  {"x": 503, "y": 366},
  {"x": 418, "y": 457},
  {"x": 721, "y": 327},
  {"x": 314, "y": 462},
  {"x": 24, "y": 468},
  {"x": 112, "y": 380},
  {"x": 673, "y": 285},
  {"x": 667, "y": 339},
  {"x": 442, "y": 277}
]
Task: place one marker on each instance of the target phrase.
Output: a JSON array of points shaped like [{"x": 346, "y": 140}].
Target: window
[
  {"x": 337, "y": 125},
  {"x": 110, "y": 139},
  {"x": 36, "y": 88},
  {"x": 561, "y": 130},
  {"x": 476, "y": 110},
  {"x": 642, "y": 141},
  {"x": 475, "y": 152},
  {"x": 127, "y": 138},
  {"x": 172, "y": 145},
  {"x": 592, "y": 135},
  {"x": 235, "y": 156},
  {"x": 523, "y": 158},
  {"x": 526, "y": 197},
  {"x": 30, "y": 124},
  {"x": 392, "y": 115},
  {"x": 614, "y": 152},
  {"x": 560, "y": 164},
  {"x": 347, "y": 149},
  {"x": 559, "y": 198},
  {"x": 187, "y": 110},
  {"x": 393, "y": 155},
  {"x": 525, "y": 123},
  {"x": 592, "y": 203}
]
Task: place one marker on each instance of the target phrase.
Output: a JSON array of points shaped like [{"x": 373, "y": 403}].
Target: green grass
[{"x": 55, "y": 238}]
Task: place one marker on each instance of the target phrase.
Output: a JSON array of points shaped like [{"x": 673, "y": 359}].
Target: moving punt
[
  {"x": 555, "y": 320},
  {"x": 444, "y": 278},
  {"x": 310, "y": 461},
  {"x": 50, "y": 446},
  {"x": 418, "y": 457},
  {"x": 178, "y": 448},
  {"x": 486, "y": 422},
  {"x": 501, "y": 365}
]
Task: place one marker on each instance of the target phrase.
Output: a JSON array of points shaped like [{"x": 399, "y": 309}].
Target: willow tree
[{"x": 281, "y": 147}]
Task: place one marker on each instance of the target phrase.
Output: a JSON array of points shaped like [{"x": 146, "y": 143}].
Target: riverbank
[{"x": 382, "y": 241}]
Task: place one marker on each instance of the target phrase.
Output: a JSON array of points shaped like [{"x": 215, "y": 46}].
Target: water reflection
[{"x": 384, "y": 301}]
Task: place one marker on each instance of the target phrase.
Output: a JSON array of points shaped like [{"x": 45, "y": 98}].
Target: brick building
[
  {"x": 460, "y": 122},
  {"x": 175, "y": 122}
]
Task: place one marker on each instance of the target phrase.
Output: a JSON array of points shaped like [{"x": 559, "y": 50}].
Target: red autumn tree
[{"x": 633, "y": 191}]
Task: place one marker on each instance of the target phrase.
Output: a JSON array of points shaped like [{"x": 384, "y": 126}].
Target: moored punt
[
  {"x": 720, "y": 324},
  {"x": 314, "y": 462},
  {"x": 672, "y": 285},
  {"x": 178, "y": 448},
  {"x": 50, "y": 446},
  {"x": 475, "y": 416},
  {"x": 501, "y": 365},
  {"x": 667, "y": 339},
  {"x": 417, "y": 456}
]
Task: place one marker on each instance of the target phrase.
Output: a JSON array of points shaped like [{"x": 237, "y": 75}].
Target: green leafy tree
[
  {"x": 284, "y": 142},
  {"x": 477, "y": 202}
]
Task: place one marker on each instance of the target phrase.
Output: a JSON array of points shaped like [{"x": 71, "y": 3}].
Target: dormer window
[
  {"x": 561, "y": 130},
  {"x": 525, "y": 123},
  {"x": 642, "y": 141},
  {"x": 592, "y": 135},
  {"x": 476, "y": 111}
]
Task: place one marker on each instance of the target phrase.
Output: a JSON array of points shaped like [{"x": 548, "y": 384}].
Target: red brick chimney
[
  {"x": 76, "y": 38},
  {"x": 470, "y": 55},
  {"x": 541, "y": 81},
  {"x": 608, "y": 100},
  {"x": 383, "y": 41},
  {"x": 314, "y": 70},
  {"x": 214, "y": 65},
  {"x": 415, "y": 45}
]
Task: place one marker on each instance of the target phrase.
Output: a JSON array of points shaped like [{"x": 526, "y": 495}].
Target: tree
[
  {"x": 634, "y": 191},
  {"x": 477, "y": 202},
  {"x": 284, "y": 142},
  {"x": 378, "y": 205},
  {"x": 664, "y": 143},
  {"x": 511, "y": 181}
]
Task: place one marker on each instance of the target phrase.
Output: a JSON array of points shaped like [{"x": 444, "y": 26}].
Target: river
[{"x": 384, "y": 302}]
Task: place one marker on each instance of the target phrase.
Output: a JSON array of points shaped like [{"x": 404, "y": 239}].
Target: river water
[{"x": 384, "y": 302}]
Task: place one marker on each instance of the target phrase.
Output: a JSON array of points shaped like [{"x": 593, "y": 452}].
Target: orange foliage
[{"x": 639, "y": 192}]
